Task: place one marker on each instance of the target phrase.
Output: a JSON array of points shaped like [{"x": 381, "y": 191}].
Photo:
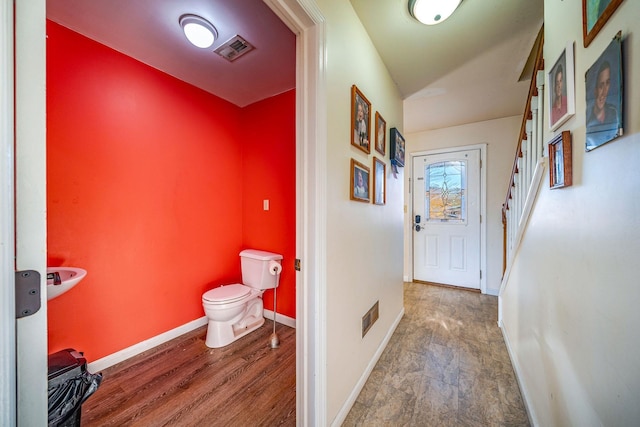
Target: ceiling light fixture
[
  {"x": 431, "y": 12},
  {"x": 198, "y": 30}
]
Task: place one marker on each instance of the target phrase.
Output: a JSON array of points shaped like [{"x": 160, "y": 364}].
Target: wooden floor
[{"x": 185, "y": 383}]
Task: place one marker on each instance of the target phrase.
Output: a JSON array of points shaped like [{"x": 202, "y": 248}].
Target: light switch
[{"x": 265, "y": 204}]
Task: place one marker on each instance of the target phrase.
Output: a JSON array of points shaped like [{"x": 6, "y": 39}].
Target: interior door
[{"x": 446, "y": 218}]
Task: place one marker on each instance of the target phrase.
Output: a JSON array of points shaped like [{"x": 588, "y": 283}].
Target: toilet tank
[{"x": 256, "y": 272}]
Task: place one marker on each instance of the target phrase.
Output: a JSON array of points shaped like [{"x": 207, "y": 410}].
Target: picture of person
[
  {"x": 360, "y": 120},
  {"x": 604, "y": 97},
  {"x": 360, "y": 131},
  {"x": 360, "y": 188},
  {"x": 559, "y": 102},
  {"x": 602, "y": 112}
]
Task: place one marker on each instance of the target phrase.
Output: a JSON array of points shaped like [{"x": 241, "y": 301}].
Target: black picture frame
[{"x": 397, "y": 146}]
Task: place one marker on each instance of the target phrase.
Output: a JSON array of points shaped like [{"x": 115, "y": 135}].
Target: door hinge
[
  {"x": 480, "y": 219},
  {"x": 27, "y": 293},
  {"x": 480, "y": 274},
  {"x": 296, "y": 264}
]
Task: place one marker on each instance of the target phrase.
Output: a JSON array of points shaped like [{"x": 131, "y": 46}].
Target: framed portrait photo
[
  {"x": 561, "y": 84},
  {"x": 381, "y": 134},
  {"x": 603, "y": 91},
  {"x": 397, "y": 147},
  {"x": 360, "y": 120},
  {"x": 379, "y": 181},
  {"x": 560, "y": 161},
  {"x": 359, "y": 182},
  {"x": 596, "y": 13}
]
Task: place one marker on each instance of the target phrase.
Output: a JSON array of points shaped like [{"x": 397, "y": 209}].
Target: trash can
[{"x": 69, "y": 385}]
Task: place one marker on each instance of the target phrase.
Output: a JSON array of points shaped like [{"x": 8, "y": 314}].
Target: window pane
[{"x": 446, "y": 185}]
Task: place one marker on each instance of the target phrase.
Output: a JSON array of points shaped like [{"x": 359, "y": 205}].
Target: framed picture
[
  {"x": 360, "y": 120},
  {"x": 379, "y": 181},
  {"x": 561, "y": 84},
  {"x": 397, "y": 147},
  {"x": 381, "y": 134},
  {"x": 560, "y": 161},
  {"x": 604, "y": 96},
  {"x": 359, "y": 181},
  {"x": 596, "y": 13}
]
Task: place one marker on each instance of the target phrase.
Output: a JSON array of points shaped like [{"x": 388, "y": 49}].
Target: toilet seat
[{"x": 226, "y": 294}]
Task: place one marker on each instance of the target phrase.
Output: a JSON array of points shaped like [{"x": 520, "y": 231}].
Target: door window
[{"x": 446, "y": 185}]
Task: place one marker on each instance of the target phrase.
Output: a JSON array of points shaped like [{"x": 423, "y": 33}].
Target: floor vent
[
  {"x": 234, "y": 48},
  {"x": 369, "y": 319}
]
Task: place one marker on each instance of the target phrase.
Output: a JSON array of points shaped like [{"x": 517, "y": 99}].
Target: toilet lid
[{"x": 228, "y": 293}]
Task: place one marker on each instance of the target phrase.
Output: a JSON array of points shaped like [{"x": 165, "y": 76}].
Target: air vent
[
  {"x": 234, "y": 48},
  {"x": 369, "y": 319}
]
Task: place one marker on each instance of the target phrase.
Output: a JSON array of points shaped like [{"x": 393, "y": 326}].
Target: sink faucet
[{"x": 56, "y": 278}]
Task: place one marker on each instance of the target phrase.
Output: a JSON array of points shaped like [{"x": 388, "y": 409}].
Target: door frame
[
  {"x": 306, "y": 21},
  {"x": 304, "y": 18},
  {"x": 483, "y": 204},
  {"x": 8, "y": 402}
]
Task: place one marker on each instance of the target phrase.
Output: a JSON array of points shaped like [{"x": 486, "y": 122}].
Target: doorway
[{"x": 448, "y": 205}]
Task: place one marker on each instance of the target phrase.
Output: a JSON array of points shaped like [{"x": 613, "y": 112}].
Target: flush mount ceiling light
[
  {"x": 431, "y": 12},
  {"x": 198, "y": 30}
]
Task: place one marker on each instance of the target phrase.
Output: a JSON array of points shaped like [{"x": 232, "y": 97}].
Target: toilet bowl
[{"x": 235, "y": 310}]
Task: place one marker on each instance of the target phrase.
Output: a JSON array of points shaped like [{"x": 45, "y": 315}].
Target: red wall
[
  {"x": 145, "y": 186},
  {"x": 269, "y": 171}
]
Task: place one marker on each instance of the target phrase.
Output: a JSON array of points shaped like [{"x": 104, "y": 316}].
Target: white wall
[
  {"x": 364, "y": 241},
  {"x": 500, "y": 136},
  {"x": 570, "y": 304}
]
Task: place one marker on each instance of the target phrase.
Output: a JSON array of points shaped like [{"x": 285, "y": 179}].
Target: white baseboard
[
  {"x": 145, "y": 345},
  {"x": 136, "y": 349},
  {"x": 344, "y": 411},
  {"x": 516, "y": 368},
  {"x": 280, "y": 318}
]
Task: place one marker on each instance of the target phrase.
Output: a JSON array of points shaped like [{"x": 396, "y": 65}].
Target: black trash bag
[{"x": 66, "y": 397}]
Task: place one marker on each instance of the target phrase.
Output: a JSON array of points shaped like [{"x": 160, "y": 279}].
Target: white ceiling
[
  {"x": 148, "y": 31},
  {"x": 463, "y": 70}
]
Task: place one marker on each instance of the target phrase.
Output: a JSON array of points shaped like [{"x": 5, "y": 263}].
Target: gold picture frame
[
  {"x": 596, "y": 13},
  {"x": 360, "y": 120},
  {"x": 379, "y": 182},
  {"x": 560, "y": 161},
  {"x": 360, "y": 182}
]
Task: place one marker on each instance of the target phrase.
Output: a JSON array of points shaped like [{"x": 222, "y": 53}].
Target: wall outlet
[
  {"x": 369, "y": 318},
  {"x": 265, "y": 204}
]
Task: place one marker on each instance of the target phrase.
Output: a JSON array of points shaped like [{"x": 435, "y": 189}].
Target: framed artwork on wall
[
  {"x": 561, "y": 84},
  {"x": 603, "y": 91},
  {"x": 360, "y": 120},
  {"x": 381, "y": 134},
  {"x": 397, "y": 147},
  {"x": 560, "y": 161},
  {"x": 379, "y": 181},
  {"x": 359, "y": 182},
  {"x": 596, "y": 13}
]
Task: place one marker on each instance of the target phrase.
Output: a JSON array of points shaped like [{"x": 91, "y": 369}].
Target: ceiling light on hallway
[
  {"x": 200, "y": 32},
  {"x": 431, "y": 12}
]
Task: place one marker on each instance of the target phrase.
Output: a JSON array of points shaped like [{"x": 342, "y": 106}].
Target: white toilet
[{"x": 235, "y": 310}]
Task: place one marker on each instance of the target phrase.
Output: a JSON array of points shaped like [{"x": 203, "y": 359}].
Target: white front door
[{"x": 446, "y": 218}]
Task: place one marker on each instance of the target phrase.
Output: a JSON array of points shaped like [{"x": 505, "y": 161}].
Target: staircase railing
[{"x": 528, "y": 164}]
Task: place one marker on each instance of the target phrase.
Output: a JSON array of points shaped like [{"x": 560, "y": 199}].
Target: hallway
[{"x": 445, "y": 365}]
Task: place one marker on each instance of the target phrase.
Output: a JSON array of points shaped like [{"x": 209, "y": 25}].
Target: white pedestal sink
[{"x": 69, "y": 277}]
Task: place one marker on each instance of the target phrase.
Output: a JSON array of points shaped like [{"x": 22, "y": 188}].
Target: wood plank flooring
[{"x": 185, "y": 383}]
